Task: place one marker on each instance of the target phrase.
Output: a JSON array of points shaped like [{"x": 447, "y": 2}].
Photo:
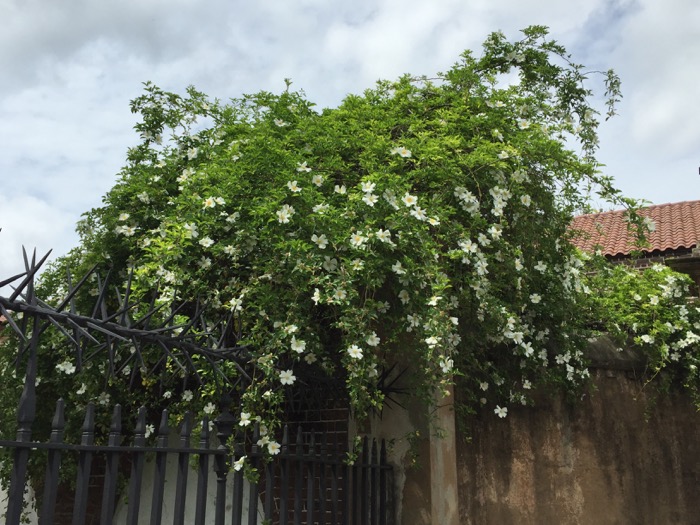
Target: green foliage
[
  {"x": 424, "y": 222},
  {"x": 651, "y": 310}
]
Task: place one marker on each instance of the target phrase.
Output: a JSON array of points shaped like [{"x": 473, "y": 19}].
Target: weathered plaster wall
[
  {"x": 425, "y": 487},
  {"x": 615, "y": 457},
  {"x": 29, "y": 516},
  {"x": 411, "y": 482}
]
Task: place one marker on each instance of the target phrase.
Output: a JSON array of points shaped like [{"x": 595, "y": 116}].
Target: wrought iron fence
[{"x": 307, "y": 482}]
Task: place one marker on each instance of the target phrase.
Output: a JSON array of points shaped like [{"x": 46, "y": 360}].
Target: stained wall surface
[{"x": 618, "y": 456}]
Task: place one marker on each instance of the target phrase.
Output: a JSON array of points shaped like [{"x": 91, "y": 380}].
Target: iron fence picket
[
  {"x": 322, "y": 480},
  {"x": 374, "y": 484},
  {"x": 238, "y": 480},
  {"x": 84, "y": 466},
  {"x": 183, "y": 467},
  {"x": 159, "y": 473},
  {"x": 53, "y": 464},
  {"x": 224, "y": 423},
  {"x": 341, "y": 472},
  {"x": 366, "y": 482},
  {"x": 299, "y": 466},
  {"x": 310, "y": 480},
  {"x": 137, "y": 462},
  {"x": 269, "y": 488},
  {"x": 284, "y": 475},
  {"x": 26, "y": 412},
  {"x": 203, "y": 474},
  {"x": 253, "y": 486},
  {"x": 356, "y": 476},
  {"x": 109, "y": 493}
]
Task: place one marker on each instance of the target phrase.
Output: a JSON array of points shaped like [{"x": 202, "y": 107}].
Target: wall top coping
[{"x": 604, "y": 353}]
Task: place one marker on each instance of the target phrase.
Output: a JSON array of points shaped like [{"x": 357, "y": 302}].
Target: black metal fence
[{"x": 307, "y": 482}]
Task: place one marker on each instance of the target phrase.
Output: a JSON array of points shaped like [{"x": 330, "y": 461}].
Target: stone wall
[{"x": 618, "y": 456}]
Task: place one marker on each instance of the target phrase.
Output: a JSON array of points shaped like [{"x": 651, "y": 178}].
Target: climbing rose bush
[
  {"x": 423, "y": 222},
  {"x": 650, "y": 310}
]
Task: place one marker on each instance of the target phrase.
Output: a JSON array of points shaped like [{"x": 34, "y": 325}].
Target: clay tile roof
[{"x": 677, "y": 226}]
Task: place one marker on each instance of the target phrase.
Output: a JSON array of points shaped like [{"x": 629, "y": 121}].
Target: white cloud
[
  {"x": 660, "y": 52},
  {"x": 33, "y": 224},
  {"x": 70, "y": 69}
]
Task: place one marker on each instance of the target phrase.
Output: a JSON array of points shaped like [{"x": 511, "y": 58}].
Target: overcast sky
[{"x": 68, "y": 70}]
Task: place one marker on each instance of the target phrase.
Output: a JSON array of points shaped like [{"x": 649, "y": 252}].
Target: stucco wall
[{"x": 615, "y": 457}]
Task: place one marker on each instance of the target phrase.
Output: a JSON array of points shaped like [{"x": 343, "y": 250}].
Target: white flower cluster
[{"x": 66, "y": 367}]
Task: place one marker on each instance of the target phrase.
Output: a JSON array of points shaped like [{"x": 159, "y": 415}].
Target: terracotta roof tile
[{"x": 677, "y": 226}]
